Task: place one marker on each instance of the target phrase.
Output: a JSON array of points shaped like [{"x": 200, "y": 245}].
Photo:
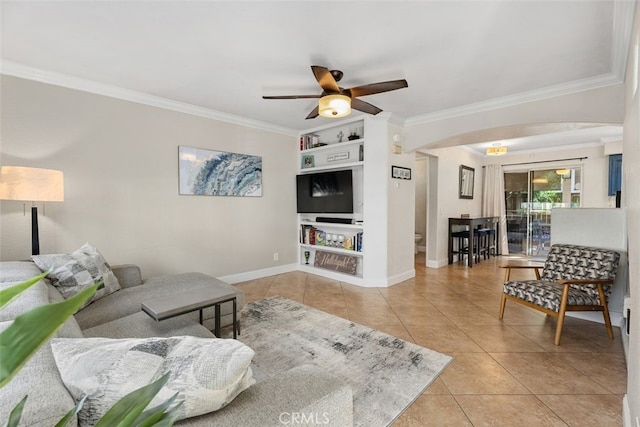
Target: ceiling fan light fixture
[
  {"x": 334, "y": 106},
  {"x": 496, "y": 151},
  {"x": 562, "y": 171}
]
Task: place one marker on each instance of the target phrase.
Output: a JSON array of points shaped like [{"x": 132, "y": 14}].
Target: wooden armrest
[
  {"x": 585, "y": 282},
  {"x": 521, "y": 263},
  {"x": 521, "y": 266}
]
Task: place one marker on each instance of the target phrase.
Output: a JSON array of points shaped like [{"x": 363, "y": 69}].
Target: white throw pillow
[
  {"x": 208, "y": 373},
  {"x": 72, "y": 273}
]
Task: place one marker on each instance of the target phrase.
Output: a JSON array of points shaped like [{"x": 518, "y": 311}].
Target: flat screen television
[{"x": 325, "y": 192}]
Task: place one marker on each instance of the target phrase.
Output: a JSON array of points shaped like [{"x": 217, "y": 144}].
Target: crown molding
[
  {"x": 57, "y": 79},
  {"x": 623, "y": 12},
  {"x": 517, "y": 99}
]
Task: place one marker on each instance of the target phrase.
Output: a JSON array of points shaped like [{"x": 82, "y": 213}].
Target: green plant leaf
[
  {"x": 16, "y": 413},
  {"x": 71, "y": 414},
  {"x": 31, "y": 330},
  {"x": 160, "y": 415},
  {"x": 9, "y": 294},
  {"x": 127, "y": 410}
]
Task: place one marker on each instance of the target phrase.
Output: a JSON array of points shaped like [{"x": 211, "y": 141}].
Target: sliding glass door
[{"x": 529, "y": 197}]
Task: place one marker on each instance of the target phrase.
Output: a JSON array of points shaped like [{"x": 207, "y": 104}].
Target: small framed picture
[
  {"x": 308, "y": 161},
  {"x": 399, "y": 172}
]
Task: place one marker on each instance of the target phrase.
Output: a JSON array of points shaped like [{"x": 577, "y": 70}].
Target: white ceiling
[{"x": 221, "y": 57}]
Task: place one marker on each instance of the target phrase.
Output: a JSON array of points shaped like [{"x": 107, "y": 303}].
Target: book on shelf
[
  {"x": 305, "y": 234},
  {"x": 310, "y": 141},
  {"x": 308, "y": 234},
  {"x": 358, "y": 241},
  {"x": 321, "y": 239}
]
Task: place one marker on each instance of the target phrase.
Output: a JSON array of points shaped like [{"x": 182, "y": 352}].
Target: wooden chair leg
[
  {"x": 605, "y": 311},
  {"x": 561, "y": 313},
  {"x": 503, "y": 303}
]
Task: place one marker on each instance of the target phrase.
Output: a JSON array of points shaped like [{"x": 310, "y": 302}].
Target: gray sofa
[{"x": 305, "y": 392}]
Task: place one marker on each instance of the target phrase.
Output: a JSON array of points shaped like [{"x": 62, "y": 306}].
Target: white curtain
[{"x": 493, "y": 202}]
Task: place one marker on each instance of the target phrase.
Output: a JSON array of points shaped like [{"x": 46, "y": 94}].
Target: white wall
[
  {"x": 447, "y": 201},
  {"x": 401, "y": 207},
  {"x": 631, "y": 201},
  {"x": 388, "y": 207},
  {"x": 121, "y": 184},
  {"x": 420, "y": 223}
]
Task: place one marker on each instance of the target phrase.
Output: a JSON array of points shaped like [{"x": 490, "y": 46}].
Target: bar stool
[
  {"x": 493, "y": 244},
  {"x": 483, "y": 244},
  {"x": 464, "y": 248},
  {"x": 462, "y": 238},
  {"x": 486, "y": 242}
]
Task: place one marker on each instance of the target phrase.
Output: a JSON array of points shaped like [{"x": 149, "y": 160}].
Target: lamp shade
[
  {"x": 334, "y": 106},
  {"x": 31, "y": 184}
]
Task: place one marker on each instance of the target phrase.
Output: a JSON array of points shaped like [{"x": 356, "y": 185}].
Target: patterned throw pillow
[
  {"x": 208, "y": 373},
  {"x": 72, "y": 273}
]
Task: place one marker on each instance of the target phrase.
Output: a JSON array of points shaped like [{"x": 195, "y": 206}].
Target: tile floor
[{"x": 505, "y": 373}]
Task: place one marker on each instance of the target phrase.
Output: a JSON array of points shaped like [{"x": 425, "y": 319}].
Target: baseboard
[
  {"x": 626, "y": 412},
  {"x": 330, "y": 274},
  {"x": 389, "y": 281},
  {"x": 616, "y": 318},
  {"x": 399, "y": 278},
  {"x": 437, "y": 264},
  {"x": 625, "y": 339},
  {"x": 258, "y": 274}
]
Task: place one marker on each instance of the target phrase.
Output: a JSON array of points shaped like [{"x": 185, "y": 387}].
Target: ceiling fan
[{"x": 335, "y": 102}]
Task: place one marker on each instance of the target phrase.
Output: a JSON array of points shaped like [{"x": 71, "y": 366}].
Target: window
[{"x": 529, "y": 197}]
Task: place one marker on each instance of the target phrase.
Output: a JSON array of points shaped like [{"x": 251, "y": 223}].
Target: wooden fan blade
[
  {"x": 365, "y": 107},
  {"x": 291, "y": 97},
  {"x": 325, "y": 79},
  {"x": 373, "y": 88},
  {"x": 313, "y": 114}
]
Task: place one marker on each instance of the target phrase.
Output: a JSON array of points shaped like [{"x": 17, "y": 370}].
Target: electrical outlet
[{"x": 276, "y": 256}]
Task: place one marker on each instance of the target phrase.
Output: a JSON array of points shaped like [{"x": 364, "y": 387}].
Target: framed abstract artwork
[{"x": 218, "y": 173}]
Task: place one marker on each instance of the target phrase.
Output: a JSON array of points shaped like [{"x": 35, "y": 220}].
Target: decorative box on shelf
[{"x": 330, "y": 156}]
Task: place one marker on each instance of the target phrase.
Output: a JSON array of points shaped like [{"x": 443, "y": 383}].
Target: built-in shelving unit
[
  {"x": 380, "y": 222},
  {"x": 335, "y": 147}
]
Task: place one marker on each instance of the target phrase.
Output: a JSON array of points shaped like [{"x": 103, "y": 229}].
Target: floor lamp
[{"x": 31, "y": 185}]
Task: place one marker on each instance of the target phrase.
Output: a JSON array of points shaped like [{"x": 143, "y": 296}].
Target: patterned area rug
[{"x": 386, "y": 374}]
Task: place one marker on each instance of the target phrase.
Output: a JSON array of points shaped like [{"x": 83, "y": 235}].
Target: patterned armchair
[{"x": 575, "y": 278}]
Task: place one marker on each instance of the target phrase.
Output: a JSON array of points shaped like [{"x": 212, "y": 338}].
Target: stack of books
[{"x": 310, "y": 141}]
